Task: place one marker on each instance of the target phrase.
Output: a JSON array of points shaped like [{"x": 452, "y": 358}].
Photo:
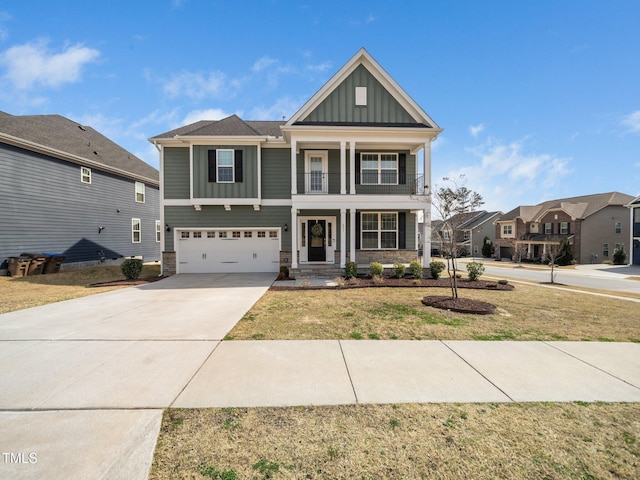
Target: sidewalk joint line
[
  {"x": 194, "y": 374},
  {"x": 591, "y": 365},
  {"x": 344, "y": 359},
  {"x": 476, "y": 370}
]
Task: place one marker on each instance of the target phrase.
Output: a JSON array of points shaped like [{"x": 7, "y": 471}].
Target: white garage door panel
[{"x": 208, "y": 252}]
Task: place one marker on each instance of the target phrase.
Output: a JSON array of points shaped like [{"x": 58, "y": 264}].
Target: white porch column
[
  {"x": 426, "y": 213},
  {"x": 294, "y": 238},
  {"x": 352, "y": 168},
  {"x": 426, "y": 237},
  {"x": 343, "y": 237},
  {"x": 352, "y": 234},
  {"x": 294, "y": 164},
  {"x": 426, "y": 167},
  {"x": 343, "y": 167}
]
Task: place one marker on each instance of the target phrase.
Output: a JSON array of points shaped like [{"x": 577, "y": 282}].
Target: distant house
[
  {"x": 471, "y": 230},
  {"x": 67, "y": 189},
  {"x": 593, "y": 224},
  {"x": 634, "y": 220},
  {"x": 341, "y": 181}
]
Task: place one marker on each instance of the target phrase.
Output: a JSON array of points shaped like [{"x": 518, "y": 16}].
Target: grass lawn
[
  {"x": 526, "y": 313},
  {"x": 441, "y": 441},
  {"x": 17, "y": 293}
]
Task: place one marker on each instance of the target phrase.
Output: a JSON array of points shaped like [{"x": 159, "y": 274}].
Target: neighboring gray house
[
  {"x": 339, "y": 181},
  {"x": 634, "y": 241},
  {"x": 471, "y": 230},
  {"x": 67, "y": 189},
  {"x": 594, "y": 225}
]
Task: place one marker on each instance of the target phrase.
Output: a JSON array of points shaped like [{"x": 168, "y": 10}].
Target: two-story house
[
  {"x": 342, "y": 180},
  {"x": 634, "y": 241},
  {"x": 593, "y": 224},
  {"x": 67, "y": 189},
  {"x": 468, "y": 231}
]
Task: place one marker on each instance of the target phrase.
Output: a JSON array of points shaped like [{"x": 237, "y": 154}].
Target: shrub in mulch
[
  {"x": 460, "y": 305},
  {"x": 406, "y": 282}
]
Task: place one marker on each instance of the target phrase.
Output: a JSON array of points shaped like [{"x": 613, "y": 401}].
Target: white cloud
[
  {"x": 475, "y": 130},
  {"x": 263, "y": 62},
  {"x": 283, "y": 107},
  {"x": 4, "y": 33},
  {"x": 208, "y": 114},
  {"x": 320, "y": 67},
  {"x": 632, "y": 122},
  {"x": 34, "y": 64},
  {"x": 196, "y": 85},
  {"x": 110, "y": 127}
]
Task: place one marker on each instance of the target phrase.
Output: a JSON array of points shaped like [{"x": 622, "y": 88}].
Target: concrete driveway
[{"x": 83, "y": 382}]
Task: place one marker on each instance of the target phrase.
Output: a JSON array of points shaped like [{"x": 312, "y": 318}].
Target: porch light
[{"x": 286, "y": 227}]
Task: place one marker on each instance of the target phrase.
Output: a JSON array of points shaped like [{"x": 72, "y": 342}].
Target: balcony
[{"x": 319, "y": 183}]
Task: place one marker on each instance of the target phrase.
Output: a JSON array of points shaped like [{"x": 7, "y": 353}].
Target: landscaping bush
[
  {"x": 398, "y": 270},
  {"x": 436, "y": 267},
  {"x": 376, "y": 269},
  {"x": 619, "y": 255},
  {"x": 475, "y": 270},
  {"x": 284, "y": 273},
  {"x": 351, "y": 270},
  {"x": 487, "y": 248},
  {"x": 131, "y": 268},
  {"x": 503, "y": 281},
  {"x": 415, "y": 268}
]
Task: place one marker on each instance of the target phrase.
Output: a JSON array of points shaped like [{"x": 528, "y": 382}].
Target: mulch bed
[{"x": 461, "y": 305}]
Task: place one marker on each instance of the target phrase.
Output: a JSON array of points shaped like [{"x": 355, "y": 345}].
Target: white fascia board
[
  {"x": 85, "y": 162},
  {"x": 361, "y": 202},
  {"x": 214, "y": 140},
  {"x": 276, "y": 202},
  {"x": 302, "y": 133}
]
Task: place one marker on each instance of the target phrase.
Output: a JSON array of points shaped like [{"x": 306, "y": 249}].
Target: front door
[{"x": 317, "y": 249}]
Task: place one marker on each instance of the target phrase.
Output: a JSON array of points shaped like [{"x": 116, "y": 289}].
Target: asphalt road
[{"x": 615, "y": 278}]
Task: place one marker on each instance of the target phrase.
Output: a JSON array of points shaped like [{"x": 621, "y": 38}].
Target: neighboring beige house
[
  {"x": 634, "y": 220},
  {"x": 471, "y": 230},
  {"x": 594, "y": 224}
]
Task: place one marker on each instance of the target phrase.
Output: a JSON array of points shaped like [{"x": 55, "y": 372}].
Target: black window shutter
[
  {"x": 402, "y": 168},
  {"x": 402, "y": 230},
  {"x": 358, "y": 230},
  {"x": 212, "y": 165},
  {"x": 238, "y": 166},
  {"x": 357, "y": 172}
]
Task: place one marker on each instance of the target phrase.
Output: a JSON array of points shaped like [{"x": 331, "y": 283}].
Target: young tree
[
  {"x": 452, "y": 202},
  {"x": 554, "y": 250}
]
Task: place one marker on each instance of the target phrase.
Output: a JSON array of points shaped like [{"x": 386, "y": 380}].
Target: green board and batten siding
[
  {"x": 340, "y": 106},
  {"x": 176, "y": 172},
  {"x": 276, "y": 173}
]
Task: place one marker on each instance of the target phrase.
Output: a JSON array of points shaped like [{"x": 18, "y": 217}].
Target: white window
[
  {"x": 378, "y": 230},
  {"x": 507, "y": 230},
  {"x": 262, "y": 234},
  {"x": 225, "y": 166},
  {"x": 136, "y": 230},
  {"x": 211, "y": 234},
  {"x": 184, "y": 234},
  {"x": 564, "y": 228},
  {"x": 158, "y": 231},
  {"x": 85, "y": 175},
  {"x": 248, "y": 234},
  {"x": 139, "y": 192},
  {"x": 273, "y": 234},
  {"x": 361, "y": 96},
  {"x": 379, "y": 169},
  {"x": 618, "y": 227},
  {"x": 548, "y": 228},
  {"x": 197, "y": 234},
  {"x": 605, "y": 249},
  {"x": 236, "y": 234},
  {"x": 222, "y": 234}
]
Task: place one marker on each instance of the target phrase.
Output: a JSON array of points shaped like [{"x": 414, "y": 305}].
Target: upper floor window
[
  {"x": 225, "y": 166},
  {"x": 379, "y": 230},
  {"x": 618, "y": 227},
  {"x": 361, "y": 96},
  {"x": 605, "y": 249},
  {"x": 466, "y": 235},
  {"x": 136, "y": 230},
  {"x": 158, "y": 231},
  {"x": 379, "y": 169},
  {"x": 139, "y": 192},
  {"x": 507, "y": 230},
  {"x": 85, "y": 175},
  {"x": 548, "y": 228},
  {"x": 564, "y": 228}
]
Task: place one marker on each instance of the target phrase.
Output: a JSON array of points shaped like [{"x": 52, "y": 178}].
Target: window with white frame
[
  {"x": 379, "y": 169},
  {"x": 139, "y": 192},
  {"x": 548, "y": 228},
  {"x": 85, "y": 175},
  {"x": 225, "y": 166},
  {"x": 605, "y": 249},
  {"x": 507, "y": 230},
  {"x": 618, "y": 227},
  {"x": 379, "y": 230},
  {"x": 158, "y": 231},
  {"x": 564, "y": 228},
  {"x": 136, "y": 230}
]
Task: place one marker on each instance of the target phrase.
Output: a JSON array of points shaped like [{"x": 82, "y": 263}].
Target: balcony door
[{"x": 316, "y": 171}]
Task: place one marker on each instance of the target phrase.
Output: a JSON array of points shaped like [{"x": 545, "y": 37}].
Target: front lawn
[{"x": 526, "y": 313}]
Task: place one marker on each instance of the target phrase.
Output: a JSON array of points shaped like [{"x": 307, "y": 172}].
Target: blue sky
[{"x": 538, "y": 100}]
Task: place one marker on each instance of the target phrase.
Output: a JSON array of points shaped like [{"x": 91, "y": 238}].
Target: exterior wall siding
[
  {"x": 599, "y": 228},
  {"x": 340, "y": 105},
  {"x": 276, "y": 173},
  {"x": 176, "y": 172},
  {"x": 46, "y": 208},
  {"x": 202, "y": 188}
]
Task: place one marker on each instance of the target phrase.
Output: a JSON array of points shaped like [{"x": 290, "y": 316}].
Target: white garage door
[{"x": 228, "y": 251}]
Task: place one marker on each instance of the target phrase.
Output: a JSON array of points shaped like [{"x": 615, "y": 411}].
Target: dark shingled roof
[
  {"x": 227, "y": 127},
  {"x": 62, "y": 134}
]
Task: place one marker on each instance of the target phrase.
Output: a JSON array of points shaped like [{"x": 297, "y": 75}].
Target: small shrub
[
  {"x": 351, "y": 270},
  {"x": 436, "y": 267},
  {"x": 376, "y": 268},
  {"x": 415, "y": 268},
  {"x": 492, "y": 285},
  {"x": 503, "y": 282},
  {"x": 398, "y": 270},
  {"x": 619, "y": 255},
  {"x": 475, "y": 270},
  {"x": 284, "y": 273},
  {"x": 131, "y": 268}
]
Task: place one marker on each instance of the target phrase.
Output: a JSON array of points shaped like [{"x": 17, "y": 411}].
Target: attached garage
[{"x": 230, "y": 250}]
